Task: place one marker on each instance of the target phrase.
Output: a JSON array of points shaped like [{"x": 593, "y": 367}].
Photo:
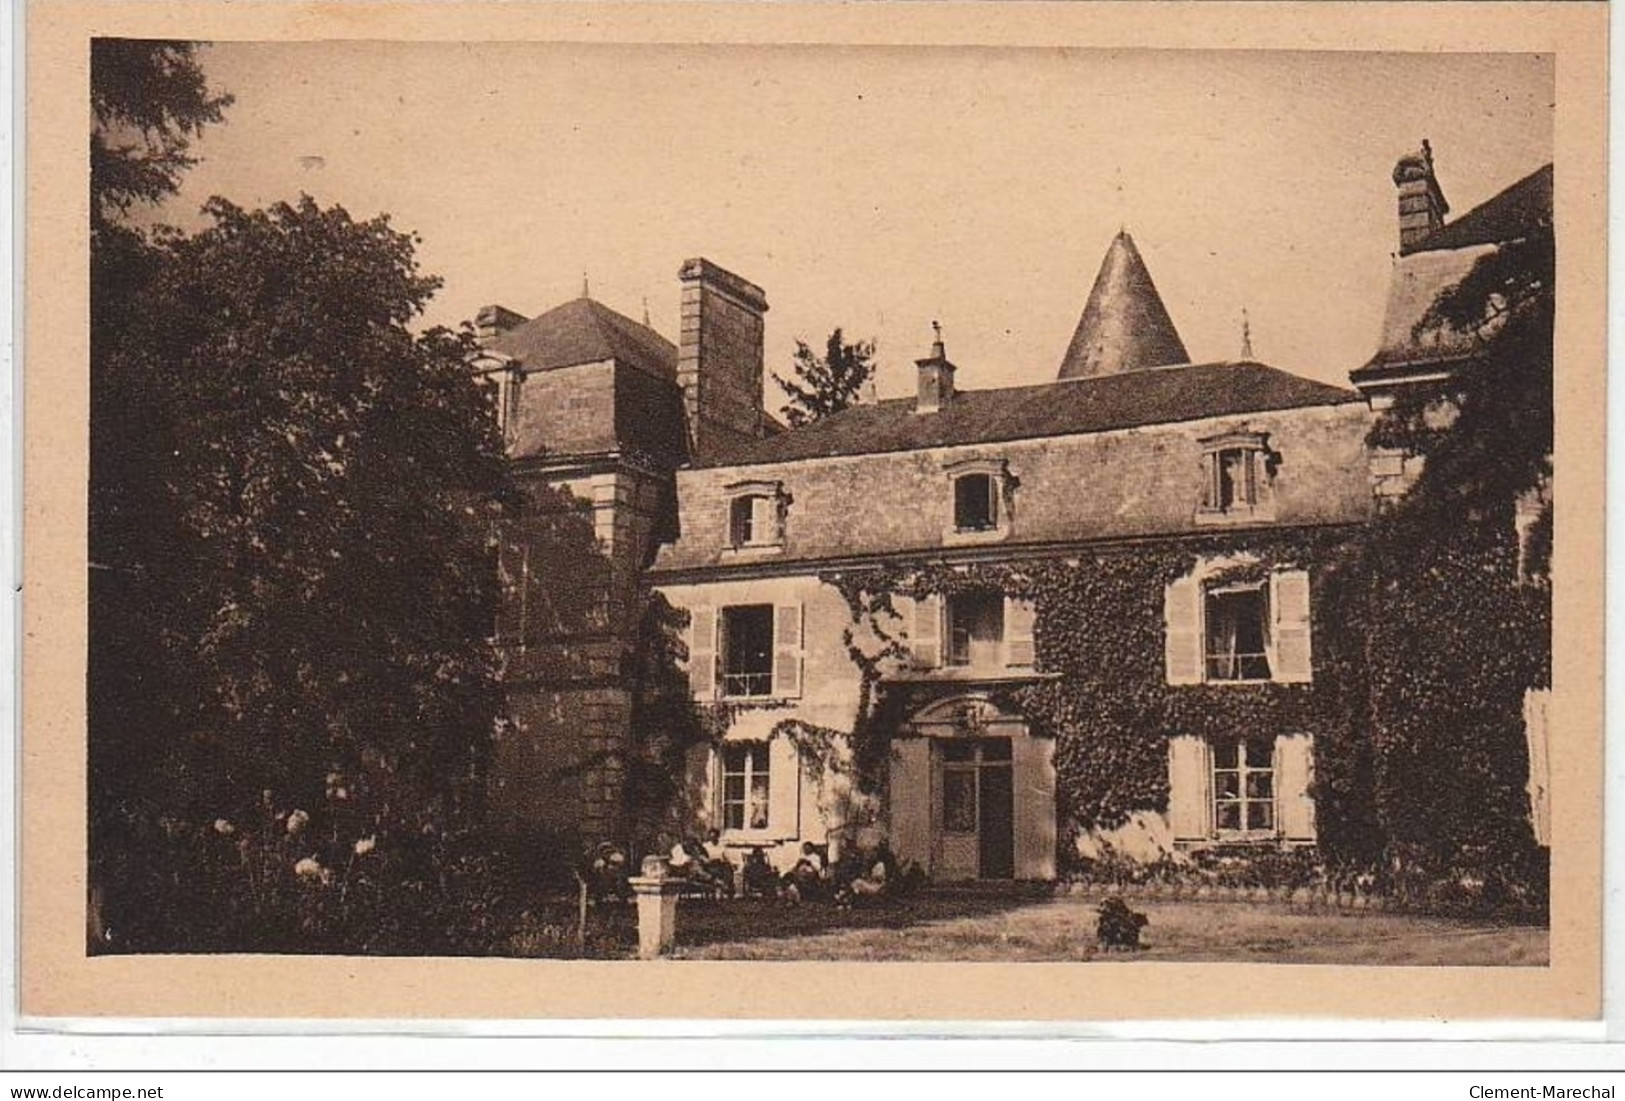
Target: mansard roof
[
  {"x": 585, "y": 331},
  {"x": 1440, "y": 260},
  {"x": 1115, "y": 401},
  {"x": 1125, "y": 326}
]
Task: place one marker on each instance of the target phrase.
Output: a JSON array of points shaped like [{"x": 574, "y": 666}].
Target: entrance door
[
  {"x": 975, "y": 820},
  {"x": 997, "y": 835}
]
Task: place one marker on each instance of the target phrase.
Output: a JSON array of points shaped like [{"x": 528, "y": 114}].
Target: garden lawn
[{"x": 944, "y": 928}]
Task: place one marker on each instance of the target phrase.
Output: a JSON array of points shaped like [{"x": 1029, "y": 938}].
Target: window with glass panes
[
  {"x": 962, "y": 762},
  {"x": 976, "y": 503},
  {"x": 1236, "y": 632},
  {"x": 753, "y": 521},
  {"x": 747, "y": 650},
  {"x": 975, "y": 629},
  {"x": 1244, "y": 785},
  {"x": 744, "y": 786}
]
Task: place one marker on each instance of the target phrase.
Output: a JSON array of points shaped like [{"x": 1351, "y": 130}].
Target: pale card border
[{"x": 56, "y": 978}]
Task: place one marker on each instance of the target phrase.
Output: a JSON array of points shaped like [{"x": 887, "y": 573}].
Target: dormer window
[
  {"x": 976, "y": 503},
  {"x": 750, "y": 521},
  {"x": 756, "y": 513},
  {"x": 1237, "y": 474},
  {"x": 981, "y": 499}
]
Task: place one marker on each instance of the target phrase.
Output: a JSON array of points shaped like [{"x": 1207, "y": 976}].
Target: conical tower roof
[{"x": 1125, "y": 326}]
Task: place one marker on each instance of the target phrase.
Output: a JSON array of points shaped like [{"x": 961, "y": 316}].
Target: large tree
[
  {"x": 821, "y": 385},
  {"x": 291, "y": 699},
  {"x": 148, "y": 99},
  {"x": 296, "y": 527}
]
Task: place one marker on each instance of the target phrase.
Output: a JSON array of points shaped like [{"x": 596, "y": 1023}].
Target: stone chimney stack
[
  {"x": 492, "y": 321},
  {"x": 936, "y": 377},
  {"x": 1422, "y": 206},
  {"x": 719, "y": 356}
]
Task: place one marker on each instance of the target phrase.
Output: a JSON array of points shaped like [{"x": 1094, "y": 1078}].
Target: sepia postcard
[{"x": 902, "y": 512}]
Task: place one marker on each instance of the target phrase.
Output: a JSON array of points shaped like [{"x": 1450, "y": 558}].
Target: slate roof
[
  {"x": 585, "y": 331},
  {"x": 1125, "y": 326},
  {"x": 1504, "y": 217},
  {"x": 1072, "y": 407}
]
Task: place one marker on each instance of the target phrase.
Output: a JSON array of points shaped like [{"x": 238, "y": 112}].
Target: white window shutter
[
  {"x": 925, "y": 640},
  {"x": 1294, "y": 772},
  {"x": 1536, "y": 702},
  {"x": 1289, "y": 635},
  {"x": 908, "y": 800},
  {"x": 787, "y": 651},
  {"x": 1190, "y": 789},
  {"x": 1018, "y": 633},
  {"x": 783, "y": 788},
  {"x": 702, "y": 651},
  {"x": 764, "y": 520},
  {"x": 1033, "y": 773},
  {"x": 1182, "y": 625}
]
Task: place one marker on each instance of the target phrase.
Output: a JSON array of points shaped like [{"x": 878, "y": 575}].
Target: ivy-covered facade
[
  {"x": 1130, "y": 612},
  {"x": 1146, "y": 609}
]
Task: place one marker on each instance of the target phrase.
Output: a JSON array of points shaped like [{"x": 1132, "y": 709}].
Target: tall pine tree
[{"x": 826, "y": 384}]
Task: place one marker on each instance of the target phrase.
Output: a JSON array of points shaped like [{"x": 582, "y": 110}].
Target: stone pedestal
[{"x": 657, "y": 909}]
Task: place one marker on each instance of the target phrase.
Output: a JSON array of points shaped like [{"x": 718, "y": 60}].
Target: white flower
[
  {"x": 222, "y": 826},
  {"x": 297, "y": 821},
  {"x": 365, "y": 845},
  {"x": 311, "y": 868}
]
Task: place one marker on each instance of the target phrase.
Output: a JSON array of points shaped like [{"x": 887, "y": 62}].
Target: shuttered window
[
  {"x": 1241, "y": 787},
  {"x": 747, "y": 651},
  {"x": 755, "y": 520},
  {"x": 746, "y": 790},
  {"x": 1244, "y": 786},
  {"x": 1216, "y": 633}
]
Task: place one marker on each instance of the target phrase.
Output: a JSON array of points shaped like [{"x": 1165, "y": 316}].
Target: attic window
[
  {"x": 976, "y": 507},
  {"x": 1237, "y": 475},
  {"x": 981, "y": 491},
  {"x": 756, "y": 515}
]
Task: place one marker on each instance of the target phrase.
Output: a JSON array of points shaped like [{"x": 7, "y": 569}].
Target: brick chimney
[
  {"x": 936, "y": 377},
  {"x": 719, "y": 356},
  {"x": 492, "y": 321},
  {"x": 1421, "y": 204}
]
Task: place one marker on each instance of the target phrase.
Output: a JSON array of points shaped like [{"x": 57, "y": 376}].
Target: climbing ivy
[
  {"x": 1422, "y": 653},
  {"x": 1101, "y": 690}
]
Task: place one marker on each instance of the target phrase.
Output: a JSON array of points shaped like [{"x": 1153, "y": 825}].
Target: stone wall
[
  {"x": 1138, "y": 482},
  {"x": 566, "y": 411},
  {"x": 557, "y": 767}
]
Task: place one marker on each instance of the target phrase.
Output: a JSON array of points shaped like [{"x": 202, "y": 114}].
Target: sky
[{"x": 880, "y": 188}]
